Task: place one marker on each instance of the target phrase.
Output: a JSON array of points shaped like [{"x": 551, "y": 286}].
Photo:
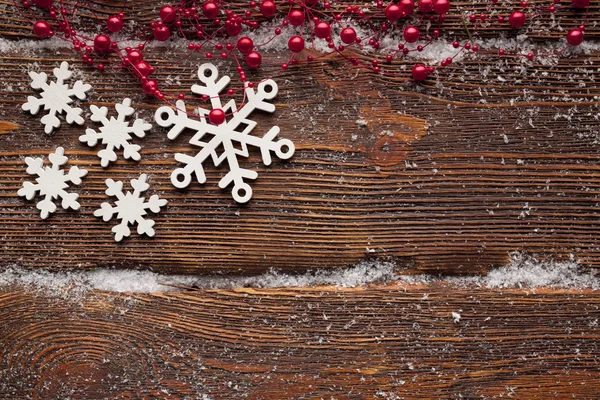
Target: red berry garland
[{"x": 224, "y": 29}]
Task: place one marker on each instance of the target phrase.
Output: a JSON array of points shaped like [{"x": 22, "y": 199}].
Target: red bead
[
  {"x": 134, "y": 56},
  {"x": 441, "y": 7},
  {"x": 142, "y": 68},
  {"x": 161, "y": 33},
  {"x": 393, "y": 12},
  {"x": 43, "y": 3},
  {"x": 168, "y": 14},
  {"x": 41, "y": 29},
  {"x": 149, "y": 87},
  {"x": 407, "y": 6},
  {"x": 114, "y": 24},
  {"x": 102, "y": 43},
  {"x": 245, "y": 45},
  {"x": 210, "y": 9},
  {"x": 581, "y": 3},
  {"x": 425, "y": 5},
  {"x": 296, "y": 44},
  {"x": 517, "y": 19},
  {"x": 100, "y": 67},
  {"x": 322, "y": 30},
  {"x": 420, "y": 72},
  {"x": 411, "y": 34},
  {"x": 253, "y": 59},
  {"x": 216, "y": 116},
  {"x": 530, "y": 56},
  {"x": 233, "y": 28},
  {"x": 268, "y": 8},
  {"x": 296, "y": 17},
  {"x": 348, "y": 35},
  {"x": 575, "y": 37}
]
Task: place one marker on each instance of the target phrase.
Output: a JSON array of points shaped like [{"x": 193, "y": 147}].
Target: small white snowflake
[
  {"x": 52, "y": 182},
  {"x": 115, "y": 133},
  {"x": 226, "y": 141},
  {"x": 56, "y": 97},
  {"x": 130, "y": 207}
]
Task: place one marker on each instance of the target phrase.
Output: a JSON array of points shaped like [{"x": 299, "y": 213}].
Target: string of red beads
[{"x": 224, "y": 30}]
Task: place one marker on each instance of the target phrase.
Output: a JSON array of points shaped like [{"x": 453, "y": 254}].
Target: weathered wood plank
[
  {"x": 383, "y": 169},
  {"x": 373, "y": 343}
]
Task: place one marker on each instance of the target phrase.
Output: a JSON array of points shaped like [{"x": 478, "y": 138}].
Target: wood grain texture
[
  {"x": 382, "y": 342},
  {"x": 446, "y": 176}
]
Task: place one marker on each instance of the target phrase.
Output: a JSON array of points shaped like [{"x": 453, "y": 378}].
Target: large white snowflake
[
  {"x": 226, "y": 141},
  {"x": 52, "y": 182},
  {"x": 115, "y": 133},
  {"x": 130, "y": 207},
  {"x": 56, "y": 97}
]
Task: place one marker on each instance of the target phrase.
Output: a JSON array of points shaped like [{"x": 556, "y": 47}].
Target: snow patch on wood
[{"x": 524, "y": 271}]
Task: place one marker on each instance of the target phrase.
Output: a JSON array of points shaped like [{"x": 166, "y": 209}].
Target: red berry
[
  {"x": 253, "y": 59},
  {"x": 296, "y": 44},
  {"x": 101, "y": 43},
  {"x": 268, "y": 8},
  {"x": 407, "y": 6},
  {"x": 216, "y": 116},
  {"x": 322, "y": 30},
  {"x": 393, "y": 12},
  {"x": 161, "y": 33},
  {"x": 296, "y": 17},
  {"x": 425, "y": 5},
  {"x": 245, "y": 45},
  {"x": 411, "y": 34},
  {"x": 420, "y": 72},
  {"x": 233, "y": 28},
  {"x": 134, "y": 56},
  {"x": 441, "y": 7},
  {"x": 149, "y": 87},
  {"x": 42, "y": 29},
  {"x": 114, "y": 24},
  {"x": 142, "y": 68},
  {"x": 517, "y": 19},
  {"x": 210, "y": 10},
  {"x": 348, "y": 35},
  {"x": 575, "y": 37},
  {"x": 168, "y": 14}
]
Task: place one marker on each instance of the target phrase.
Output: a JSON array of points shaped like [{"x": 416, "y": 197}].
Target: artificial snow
[{"x": 524, "y": 272}]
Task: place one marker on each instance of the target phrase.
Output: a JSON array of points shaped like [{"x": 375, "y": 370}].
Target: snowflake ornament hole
[
  {"x": 56, "y": 97},
  {"x": 227, "y": 141}
]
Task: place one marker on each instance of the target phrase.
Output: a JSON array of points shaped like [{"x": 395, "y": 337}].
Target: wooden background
[{"x": 445, "y": 177}]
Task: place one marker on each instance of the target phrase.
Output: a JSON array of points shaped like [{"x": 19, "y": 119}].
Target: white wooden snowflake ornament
[
  {"x": 232, "y": 136},
  {"x": 56, "y": 97},
  {"x": 115, "y": 133},
  {"x": 130, "y": 207},
  {"x": 52, "y": 182}
]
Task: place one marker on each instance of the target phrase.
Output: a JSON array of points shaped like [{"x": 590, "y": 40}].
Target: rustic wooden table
[{"x": 446, "y": 177}]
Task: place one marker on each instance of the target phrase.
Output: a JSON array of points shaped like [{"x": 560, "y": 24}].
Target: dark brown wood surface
[
  {"x": 433, "y": 178},
  {"x": 381, "y": 342}
]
